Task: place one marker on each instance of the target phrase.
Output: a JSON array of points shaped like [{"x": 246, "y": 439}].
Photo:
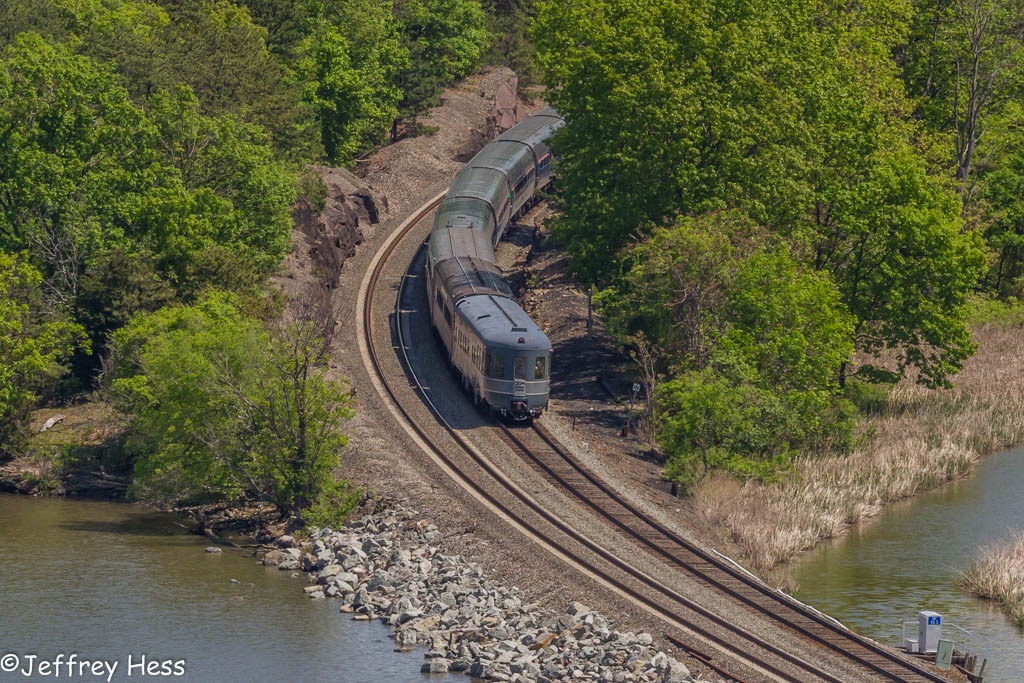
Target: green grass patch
[{"x": 985, "y": 311}]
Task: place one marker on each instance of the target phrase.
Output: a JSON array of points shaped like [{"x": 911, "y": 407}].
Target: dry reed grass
[
  {"x": 921, "y": 439},
  {"x": 998, "y": 574}
]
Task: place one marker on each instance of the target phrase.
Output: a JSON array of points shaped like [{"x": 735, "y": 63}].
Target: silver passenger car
[{"x": 502, "y": 357}]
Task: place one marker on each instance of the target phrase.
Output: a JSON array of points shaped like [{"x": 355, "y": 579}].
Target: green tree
[
  {"x": 33, "y": 347},
  {"x": 288, "y": 22},
  {"x": 709, "y": 423},
  {"x": 1001, "y": 193},
  {"x": 118, "y": 285},
  {"x": 86, "y": 175},
  {"x": 223, "y": 408},
  {"x": 446, "y": 40},
  {"x": 673, "y": 108},
  {"x": 894, "y": 245},
  {"x": 222, "y": 55},
  {"x": 350, "y": 64},
  {"x": 964, "y": 61},
  {"x": 751, "y": 341},
  {"x": 226, "y": 189},
  {"x": 794, "y": 113},
  {"x": 73, "y": 159},
  {"x": 509, "y": 24}
]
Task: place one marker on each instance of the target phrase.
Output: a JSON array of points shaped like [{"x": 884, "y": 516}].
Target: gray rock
[
  {"x": 213, "y": 550},
  {"x": 273, "y": 558},
  {"x": 406, "y": 639},
  {"x": 409, "y": 615},
  {"x": 438, "y": 665},
  {"x": 384, "y": 566},
  {"x": 577, "y": 608}
]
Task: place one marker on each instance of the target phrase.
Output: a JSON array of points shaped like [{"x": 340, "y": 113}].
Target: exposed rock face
[
  {"x": 508, "y": 111},
  {"x": 386, "y": 566},
  {"x": 334, "y": 233}
]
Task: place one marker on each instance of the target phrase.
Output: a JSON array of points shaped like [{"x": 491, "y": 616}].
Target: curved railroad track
[
  {"x": 537, "y": 446},
  {"x": 691, "y": 627}
]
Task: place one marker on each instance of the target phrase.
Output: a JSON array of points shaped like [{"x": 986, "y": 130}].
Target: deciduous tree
[
  {"x": 33, "y": 346},
  {"x": 223, "y": 408},
  {"x": 350, "y": 65}
]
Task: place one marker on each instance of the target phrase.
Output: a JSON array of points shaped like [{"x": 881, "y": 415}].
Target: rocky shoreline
[{"x": 387, "y": 566}]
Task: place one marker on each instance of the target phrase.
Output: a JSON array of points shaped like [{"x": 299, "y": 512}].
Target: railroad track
[
  {"x": 709, "y": 638},
  {"x": 538, "y": 447}
]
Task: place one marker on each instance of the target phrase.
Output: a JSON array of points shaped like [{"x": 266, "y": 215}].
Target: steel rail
[
  {"x": 454, "y": 470},
  {"x": 668, "y": 545}
]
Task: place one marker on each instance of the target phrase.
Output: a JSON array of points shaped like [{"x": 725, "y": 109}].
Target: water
[
  {"x": 107, "y": 582},
  {"x": 909, "y": 558}
]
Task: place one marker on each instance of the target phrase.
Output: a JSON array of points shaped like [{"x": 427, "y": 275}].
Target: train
[{"x": 499, "y": 353}]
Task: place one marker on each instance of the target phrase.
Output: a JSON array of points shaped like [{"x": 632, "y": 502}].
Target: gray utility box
[{"x": 929, "y": 631}]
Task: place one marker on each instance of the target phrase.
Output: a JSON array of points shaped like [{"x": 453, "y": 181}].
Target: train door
[
  {"x": 443, "y": 322},
  {"x": 519, "y": 378}
]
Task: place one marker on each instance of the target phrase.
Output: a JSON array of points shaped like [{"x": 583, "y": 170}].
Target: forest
[
  {"x": 805, "y": 201},
  {"x": 150, "y": 153},
  {"x": 784, "y": 207}
]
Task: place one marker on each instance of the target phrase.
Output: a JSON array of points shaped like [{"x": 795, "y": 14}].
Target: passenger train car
[{"x": 502, "y": 357}]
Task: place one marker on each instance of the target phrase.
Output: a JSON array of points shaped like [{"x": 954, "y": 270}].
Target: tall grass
[
  {"x": 998, "y": 574},
  {"x": 918, "y": 439}
]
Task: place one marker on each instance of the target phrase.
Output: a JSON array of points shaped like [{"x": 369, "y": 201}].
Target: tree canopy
[
  {"x": 791, "y": 111},
  {"x": 751, "y": 341},
  {"x": 150, "y": 151},
  {"x": 796, "y": 115},
  {"x": 33, "y": 347},
  {"x": 223, "y": 407}
]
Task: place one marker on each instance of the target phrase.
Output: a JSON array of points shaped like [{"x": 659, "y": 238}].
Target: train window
[
  {"x": 447, "y": 315},
  {"x": 539, "y": 367},
  {"x": 495, "y": 365},
  {"x": 520, "y": 367}
]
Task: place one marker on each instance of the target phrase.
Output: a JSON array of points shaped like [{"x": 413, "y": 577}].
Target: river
[
  {"x": 114, "y": 583},
  {"x": 908, "y": 560}
]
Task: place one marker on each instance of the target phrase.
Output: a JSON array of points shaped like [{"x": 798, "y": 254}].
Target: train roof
[
  {"x": 466, "y": 276},
  {"x": 508, "y": 152},
  {"x": 459, "y": 240},
  {"x": 510, "y": 156},
  {"x": 501, "y": 322},
  {"x": 535, "y": 129},
  {"x": 486, "y": 181}
]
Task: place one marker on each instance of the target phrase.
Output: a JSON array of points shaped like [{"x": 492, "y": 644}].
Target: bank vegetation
[
  {"x": 805, "y": 220},
  {"x": 998, "y": 574},
  {"x": 911, "y": 440},
  {"x": 151, "y": 152}
]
